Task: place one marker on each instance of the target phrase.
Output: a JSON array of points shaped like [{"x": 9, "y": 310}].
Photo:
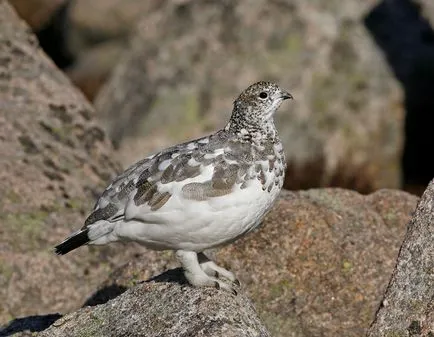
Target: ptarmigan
[{"x": 197, "y": 195}]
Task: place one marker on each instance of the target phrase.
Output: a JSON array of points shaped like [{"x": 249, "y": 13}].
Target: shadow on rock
[
  {"x": 30, "y": 323},
  {"x": 406, "y": 37},
  {"x": 105, "y": 294},
  {"x": 113, "y": 290},
  {"x": 173, "y": 275}
]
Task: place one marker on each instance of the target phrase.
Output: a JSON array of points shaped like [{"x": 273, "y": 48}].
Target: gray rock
[
  {"x": 54, "y": 158},
  {"x": 408, "y": 305},
  {"x": 93, "y": 22},
  {"x": 92, "y": 68},
  {"x": 427, "y": 10},
  {"x": 164, "y": 309}
]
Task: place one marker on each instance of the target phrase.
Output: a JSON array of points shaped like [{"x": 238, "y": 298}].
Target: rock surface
[
  {"x": 318, "y": 266},
  {"x": 92, "y": 68},
  {"x": 189, "y": 60},
  {"x": 115, "y": 21},
  {"x": 427, "y": 8},
  {"x": 408, "y": 306},
  {"x": 36, "y": 13},
  {"x": 164, "y": 309},
  {"x": 54, "y": 159}
]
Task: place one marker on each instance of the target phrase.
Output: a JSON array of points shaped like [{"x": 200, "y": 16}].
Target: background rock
[
  {"x": 92, "y": 68},
  {"x": 189, "y": 60},
  {"x": 116, "y": 19},
  {"x": 347, "y": 129},
  {"x": 98, "y": 41},
  {"x": 408, "y": 306},
  {"x": 427, "y": 8},
  {"x": 318, "y": 266},
  {"x": 37, "y": 13},
  {"x": 50, "y": 21},
  {"x": 164, "y": 309},
  {"x": 54, "y": 159}
]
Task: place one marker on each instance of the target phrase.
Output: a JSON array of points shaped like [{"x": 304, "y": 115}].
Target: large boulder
[
  {"x": 54, "y": 159},
  {"x": 318, "y": 266},
  {"x": 164, "y": 309},
  {"x": 408, "y": 305},
  {"x": 190, "y": 59},
  {"x": 97, "y": 35}
]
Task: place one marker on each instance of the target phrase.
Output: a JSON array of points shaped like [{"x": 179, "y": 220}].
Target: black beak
[{"x": 286, "y": 95}]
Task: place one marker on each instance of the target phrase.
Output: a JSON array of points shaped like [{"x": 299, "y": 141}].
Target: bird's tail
[{"x": 76, "y": 240}]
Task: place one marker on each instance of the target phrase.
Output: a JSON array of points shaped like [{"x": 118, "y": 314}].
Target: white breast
[{"x": 197, "y": 225}]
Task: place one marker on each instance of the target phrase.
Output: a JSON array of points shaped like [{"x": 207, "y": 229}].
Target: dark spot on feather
[
  {"x": 186, "y": 171},
  {"x": 239, "y": 151},
  {"x": 194, "y": 191},
  {"x": 158, "y": 200},
  {"x": 200, "y": 158},
  {"x": 101, "y": 214},
  {"x": 145, "y": 191},
  {"x": 271, "y": 164},
  {"x": 167, "y": 175},
  {"x": 125, "y": 190},
  {"x": 144, "y": 176},
  {"x": 224, "y": 176},
  {"x": 269, "y": 150},
  {"x": 213, "y": 192},
  {"x": 270, "y": 187},
  {"x": 262, "y": 178},
  {"x": 203, "y": 191}
]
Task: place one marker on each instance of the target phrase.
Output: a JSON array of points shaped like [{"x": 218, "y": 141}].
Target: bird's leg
[
  {"x": 211, "y": 269},
  {"x": 196, "y": 276}
]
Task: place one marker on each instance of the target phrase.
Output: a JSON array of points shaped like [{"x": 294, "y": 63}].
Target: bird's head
[{"x": 256, "y": 105}]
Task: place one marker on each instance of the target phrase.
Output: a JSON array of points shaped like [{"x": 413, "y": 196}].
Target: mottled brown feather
[
  {"x": 158, "y": 200},
  {"x": 101, "y": 214}
]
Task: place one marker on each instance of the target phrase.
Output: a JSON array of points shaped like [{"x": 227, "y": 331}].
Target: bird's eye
[{"x": 263, "y": 95}]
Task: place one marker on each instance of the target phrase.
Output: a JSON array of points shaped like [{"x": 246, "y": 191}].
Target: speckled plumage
[{"x": 199, "y": 194}]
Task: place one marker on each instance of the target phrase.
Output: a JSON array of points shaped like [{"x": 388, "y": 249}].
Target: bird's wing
[{"x": 200, "y": 169}]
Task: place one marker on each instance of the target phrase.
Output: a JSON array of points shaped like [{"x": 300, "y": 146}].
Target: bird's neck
[{"x": 250, "y": 130}]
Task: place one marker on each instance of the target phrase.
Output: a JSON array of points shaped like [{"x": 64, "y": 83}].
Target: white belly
[{"x": 198, "y": 225}]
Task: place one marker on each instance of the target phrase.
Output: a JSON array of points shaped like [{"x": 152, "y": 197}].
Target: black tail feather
[{"x": 76, "y": 240}]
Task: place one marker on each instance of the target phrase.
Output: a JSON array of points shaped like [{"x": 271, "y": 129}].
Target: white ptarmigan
[{"x": 197, "y": 195}]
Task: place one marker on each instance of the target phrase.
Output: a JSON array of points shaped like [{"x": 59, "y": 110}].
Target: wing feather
[{"x": 149, "y": 184}]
